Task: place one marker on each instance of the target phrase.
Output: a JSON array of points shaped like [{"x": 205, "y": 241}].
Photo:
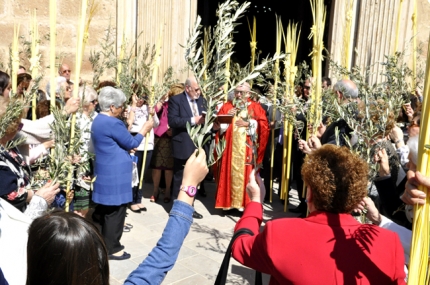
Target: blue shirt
[
  {"x": 113, "y": 165},
  {"x": 163, "y": 256}
]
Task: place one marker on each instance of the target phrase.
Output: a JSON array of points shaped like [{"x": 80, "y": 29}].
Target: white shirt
[
  {"x": 193, "y": 102},
  {"x": 141, "y": 115},
  {"x": 13, "y": 243}
]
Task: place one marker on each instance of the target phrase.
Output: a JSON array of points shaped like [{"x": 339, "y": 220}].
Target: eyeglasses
[
  {"x": 306, "y": 87},
  {"x": 66, "y": 71},
  {"x": 195, "y": 90}
]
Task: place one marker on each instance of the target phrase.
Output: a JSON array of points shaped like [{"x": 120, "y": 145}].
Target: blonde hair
[
  {"x": 87, "y": 95},
  {"x": 176, "y": 89}
]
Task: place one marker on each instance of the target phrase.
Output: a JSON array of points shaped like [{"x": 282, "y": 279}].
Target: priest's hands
[
  {"x": 232, "y": 112},
  {"x": 242, "y": 124}
]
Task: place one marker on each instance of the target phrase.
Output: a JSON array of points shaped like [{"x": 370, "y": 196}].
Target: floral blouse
[{"x": 14, "y": 177}]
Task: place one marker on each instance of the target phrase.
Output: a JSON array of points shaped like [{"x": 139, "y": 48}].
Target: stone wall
[
  {"x": 374, "y": 35},
  {"x": 18, "y": 12},
  {"x": 176, "y": 17}
]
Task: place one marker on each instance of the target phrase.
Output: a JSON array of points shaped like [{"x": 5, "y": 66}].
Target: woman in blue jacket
[
  {"x": 113, "y": 167},
  {"x": 73, "y": 246}
]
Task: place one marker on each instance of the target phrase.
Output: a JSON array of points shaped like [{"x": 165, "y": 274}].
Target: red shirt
[{"x": 323, "y": 248}]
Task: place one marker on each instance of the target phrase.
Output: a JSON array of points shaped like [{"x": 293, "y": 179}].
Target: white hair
[
  {"x": 87, "y": 95},
  {"x": 109, "y": 96},
  {"x": 59, "y": 80}
]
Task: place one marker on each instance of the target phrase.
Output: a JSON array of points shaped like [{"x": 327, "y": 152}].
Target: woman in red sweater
[{"x": 329, "y": 246}]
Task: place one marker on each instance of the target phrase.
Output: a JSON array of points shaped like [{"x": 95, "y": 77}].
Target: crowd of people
[{"x": 324, "y": 245}]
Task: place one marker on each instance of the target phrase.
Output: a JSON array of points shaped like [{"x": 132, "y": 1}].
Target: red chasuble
[{"x": 236, "y": 163}]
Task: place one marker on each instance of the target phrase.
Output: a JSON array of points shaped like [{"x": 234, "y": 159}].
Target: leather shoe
[
  {"x": 197, "y": 215},
  {"x": 124, "y": 256},
  {"x": 135, "y": 211}
]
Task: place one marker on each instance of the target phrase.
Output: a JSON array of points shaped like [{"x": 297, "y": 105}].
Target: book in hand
[{"x": 225, "y": 119}]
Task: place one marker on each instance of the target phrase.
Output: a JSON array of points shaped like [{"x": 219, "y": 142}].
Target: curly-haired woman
[{"x": 329, "y": 246}]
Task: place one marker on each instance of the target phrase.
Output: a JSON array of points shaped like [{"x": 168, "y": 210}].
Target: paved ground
[{"x": 204, "y": 247}]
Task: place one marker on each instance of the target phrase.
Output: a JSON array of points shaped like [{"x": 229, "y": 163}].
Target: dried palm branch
[
  {"x": 81, "y": 40},
  {"x": 291, "y": 42},
  {"x": 418, "y": 265},
  {"x": 349, "y": 17},
  {"x": 317, "y": 34},
  {"x": 279, "y": 32},
  {"x": 53, "y": 42}
]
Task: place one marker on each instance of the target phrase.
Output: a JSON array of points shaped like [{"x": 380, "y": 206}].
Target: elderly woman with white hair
[
  {"x": 63, "y": 91},
  {"x": 113, "y": 167},
  {"x": 85, "y": 119}
]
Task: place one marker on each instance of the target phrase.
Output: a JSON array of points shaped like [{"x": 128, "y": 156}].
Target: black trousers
[
  {"x": 137, "y": 193},
  {"x": 277, "y": 167},
  {"x": 112, "y": 220},
  {"x": 297, "y": 162}
]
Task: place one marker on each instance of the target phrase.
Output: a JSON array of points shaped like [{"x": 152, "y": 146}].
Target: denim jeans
[{"x": 163, "y": 256}]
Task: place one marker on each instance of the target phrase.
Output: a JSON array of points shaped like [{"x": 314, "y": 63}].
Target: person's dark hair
[
  {"x": 104, "y": 84},
  {"x": 140, "y": 90},
  {"x": 23, "y": 77},
  {"x": 302, "y": 82},
  {"x": 337, "y": 177},
  {"x": 41, "y": 95},
  {"x": 43, "y": 108},
  {"x": 4, "y": 81},
  {"x": 328, "y": 80},
  {"x": 64, "y": 248}
]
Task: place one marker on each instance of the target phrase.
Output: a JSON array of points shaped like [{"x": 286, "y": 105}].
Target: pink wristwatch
[{"x": 190, "y": 190}]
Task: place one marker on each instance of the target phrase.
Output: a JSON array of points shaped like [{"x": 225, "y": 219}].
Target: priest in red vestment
[{"x": 248, "y": 130}]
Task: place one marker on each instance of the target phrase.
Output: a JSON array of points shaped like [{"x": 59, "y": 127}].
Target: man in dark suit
[{"x": 187, "y": 107}]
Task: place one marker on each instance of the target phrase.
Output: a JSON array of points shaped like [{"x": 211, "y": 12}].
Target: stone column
[
  {"x": 374, "y": 32},
  {"x": 174, "y": 18}
]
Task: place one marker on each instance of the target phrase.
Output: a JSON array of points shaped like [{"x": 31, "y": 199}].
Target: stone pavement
[{"x": 203, "y": 249}]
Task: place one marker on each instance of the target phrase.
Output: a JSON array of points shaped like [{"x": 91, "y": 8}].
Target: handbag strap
[{"x": 222, "y": 273}]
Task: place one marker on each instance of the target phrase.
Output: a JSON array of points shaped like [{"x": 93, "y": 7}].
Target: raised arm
[
  {"x": 124, "y": 139},
  {"x": 163, "y": 256},
  {"x": 252, "y": 251}
]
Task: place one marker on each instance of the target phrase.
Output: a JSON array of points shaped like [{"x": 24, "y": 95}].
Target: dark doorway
[{"x": 298, "y": 11}]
